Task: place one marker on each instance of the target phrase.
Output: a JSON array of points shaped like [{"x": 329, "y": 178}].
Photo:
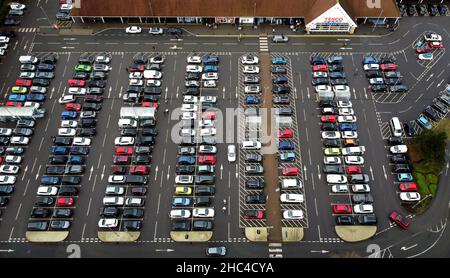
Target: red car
[
  {"x": 353, "y": 169},
  {"x": 23, "y": 82},
  {"x": 1, "y": 159},
  {"x": 423, "y": 49},
  {"x": 320, "y": 68},
  {"x": 64, "y": 202},
  {"x": 290, "y": 171},
  {"x": 386, "y": 67},
  {"x": 328, "y": 119},
  {"x": 149, "y": 104},
  {"x": 14, "y": 103},
  {"x": 119, "y": 170},
  {"x": 139, "y": 170},
  {"x": 342, "y": 209},
  {"x": 208, "y": 115},
  {"x": 76, "y": 83},
  {"x": 398, "y": 219},
  {"x": 254, "y": 214},
  {"x": 124, "y": 150},
  {"x": 73, "y": 107},
  {"x": 207, "y": 159},
  {"x": 408, "y": 186},
  {"x": 135, "y": 68},
  {"x": 436, "y": 45},
  {"x": 285, "y": 133}
]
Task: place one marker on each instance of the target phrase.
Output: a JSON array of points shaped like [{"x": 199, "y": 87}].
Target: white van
[
  {"x": 354, "y": 150},
  {"x": 396, "y": 127},
  {"x": 251, "y": 145},
  {"x": 28, "y": 60},
  {"x": 127, "y": 123},
  {"x": 291, "y": 184}
]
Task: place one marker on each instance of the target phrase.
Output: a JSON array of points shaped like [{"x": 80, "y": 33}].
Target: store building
[{"x": 313, "y": 15}]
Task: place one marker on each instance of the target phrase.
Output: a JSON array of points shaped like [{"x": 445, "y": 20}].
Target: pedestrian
[
  {"x": 154, "y": 48},
  {"x": 273, "y": 30}
]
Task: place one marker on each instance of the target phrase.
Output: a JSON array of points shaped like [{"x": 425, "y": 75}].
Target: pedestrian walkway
[
  {"x": 26, "y": 30},
  {"x": 275, "y": 250},
  {"x": 264, "y": 44}
]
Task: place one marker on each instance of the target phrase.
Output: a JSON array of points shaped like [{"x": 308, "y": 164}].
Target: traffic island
[
  {"x": 289, "y": 234},
  {"x": 256, "y": 234},
  {"x": 191, "y": 236},
  {"x": 109, "y": 236},
  {"x": 355, "y": 233},
  {"x": 76, "y": 32},
  {"x": 35, "y": 236}
]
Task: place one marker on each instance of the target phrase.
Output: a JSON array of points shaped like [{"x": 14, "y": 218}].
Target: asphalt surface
[{"x": 427, "y": 237}]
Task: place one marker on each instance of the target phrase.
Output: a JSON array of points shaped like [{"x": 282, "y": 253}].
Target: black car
[
  {"x": 86, "y": 60},
  {"x": 280, "y": 80},
  {"x": 328, "y": 127},
  {"x": 143, "y": 150},
  {"x": 202, "y": 225},
  {"x": 129, "y": 132},
  {"x": 421, "y": 9},
  {"x": 11, "y": 22},
  {"x": 327, "y": 103},
  {"x": 41, "y": 212},
  {"x": 81, "y": 75},
  {"x": 330, "y": 143},
  {"x": 344, "y": 220},
  {"x": 49, "y": 59},
  {"x": 379, "y": 88},
  {"x": 409, "y": 130},
  {"x": 142, "y": 159},
  {"x": 277, "y": 89},
  {"x": 4, "y": 201},
  {"x": 374, "y": 74},
  {"x": 202, "y": 201},
  {"x": 147, "y": 123},
  {"x": 109, "y": 212},
  {"x": 86, "y": 132},
  {"x": 43, "y": 201},
  {"x": 54, "y": 170},
  {"x": 152, "y": 90},
  {"x": 368, "y": 219},
  {"x": 338, "y": 75},
  {"x": 89, "y": 122},
  {"x": 254, "y": 184},
  {"x": 96, "y": 83},
  {"x": 342, "y": 81},
  {"x": 317, "y": 60},
  {"x": 41, "y": 82},
  {"x": 4, "y": 141},
  {"x": 399, "y": 158},
  {"x": 71, "y": 180},
  {"x": 68, "y": 191},
  {"x": 281, "y": 100},
  {"x": 8, "y": 33},
  {"x": 6, "y": 189},
  {"x": 181, "y": 225},
  {"x": 388, "y": 60},
  {"x": 62, "y": 213},
  {"x": 192, "y": 76},
  {"x": 149, "y": 131},
  {"x": 37, "y": 226},
  {"x": 62, "y": 141},
  {"x": 442, "y": 8},
  {"x": 174, "y": 31},
  {"x": 140, "y": 59},
  {"x": 204, "y": 190},
  {"x": 184, "y": 169},
  {"x": 362, "y": 198},
  {"x": 440, "y": 107},
  {"x": 430, "y": 113},
  {"x": 279, "y": 70},
  {"x": 145, "y": 140},
  {"x": 191, "y": 92},
  {"x": 74, "y": 170},
  {"x": 410, "y": 10},
  {"x": 333, "y": 169},
  {"x": 79, "y": 150},
  {"x": 319, "y": 81},
  {"x": 393, "y": 140},
  {"x": 90, "y": 106},
  {"x": 255, "y": 198},
  {"x": 133, "y": 213},
  {"x": 334, "y": 68}
]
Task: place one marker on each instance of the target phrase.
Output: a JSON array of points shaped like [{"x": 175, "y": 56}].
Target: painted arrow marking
[{"x": 407, "y": 248}]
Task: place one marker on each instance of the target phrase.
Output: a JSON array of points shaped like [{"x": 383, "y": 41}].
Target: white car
[
  {"x": 113, "y": 201},
  {"x": 116, "y": 179},
  {"x": 69, "y": 123},
  {"x": 188, "y": 116},
  {"x": 346, "y": 119},
  {"x": 432, "y": 37},
  {"x": 2, "y": 52},
  {"x": 32, "y": 104},
  {"x": 17, "y": 6},
  {"x": 156, "y": 31},
  {"x": 346, "y": 111},
  {"x": 67, "y": 131},
  {"x": 425, "y": 56},
  {"x": 332, "y": 160},
  {"x": 124, "y": 141},
  {"x": 320, "y": 74},
  {"x": 152, "y": 74},
  {"x": 114, "y": 190},
  {"x": 360, "y": 188},
  {"x": 252, "y": 89},
  {"x": 104, "y": 59},
  {"x": 187, "y": 132},
  {"x": 410, "y": 196},
  {"x": 66, "y": 7},
  {"x": 108, "y": 223},
  {"x": 249, "y": 60},
  {"x": 134, "y": 202},
  {"x": 330, "y": 135},
  {"x": 184, "y": 179},
  {"x": 27, "y": 74},
  {"x": 9, "y": 169},
  {"x": 210, "y": 99},
  {"x": 194, "y": 60},
  {"x": 136, "y": 82},
  {"x": 7, "y": 179},
  {"x": 14, "y": 159},
  {"x": 210, "y": 76},
  {"x": 344, "y": 104},
  {"x": 208, "y": 131},
  {"x": 133, "y": 30},
  {"x": 363, "y": 208},
  {"x": 194, "y": 68},
  {"x": 81, "y": 141},
  {"x": 341, "y": 89},
  {"x": 190, "y": 99},
  {"x": 377, "y": 80},
  {"x": 157, "y": 60},
  {"x": 4, "y": 39},
  {"x": 368, "y": 67},
  {"x": 153, "y": 83},
  {"x": 127, "y": 123},
  {"x": 47, "y": 190},
  {"x": 192, "y": 83},
  {"x": 77, "y": 91},
  {"x": 251, "y": 69},
  {"x": 349, "y": 134},
  {"x": 203, "y": 212},
  {"x": 187, "y": 107},
  {"x": 180, "y": 213},
  {"x": 209, "y": 84},
  {"x": 5, "y": 131},
  {"x": 231, "y": 153},
  {"x": 293, "y": 214},
  {"x": 323, "y": 89},
  {"x": 251, "y": 145},
  {"x": 339, "y": 188},
  {"x": 135, "y": 75},
  {"x": 66, "y": 99},
  {"x": 398, "y": 149},
  {"x": 291, "y": 198},
  {"x": 354, "y": 160},
  {"x": 336, "y": 179},
  {"x": 207, "y": 149},
  {"x": 206, "y": 123}
]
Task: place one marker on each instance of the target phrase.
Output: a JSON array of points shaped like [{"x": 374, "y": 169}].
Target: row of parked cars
[
  {"x": 383, "y": 75},
  {"x": 329, "y": 76},
  {"x": 427, "y": 45},
  {"x": 16, "y": 10},
  {"x": 196, "y": 162},
  {"x": 422, "y": 9},
  {"x": 65, "y": 7}
]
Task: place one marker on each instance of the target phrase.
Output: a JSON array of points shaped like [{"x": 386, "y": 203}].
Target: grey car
[
  {"x": 254, "y": 169},
  {"x": 253, "y": 157},
  {"x": 45, "y": 74},
  {"x": 362, "y": 198},
  {"x": 60, "y": 225}
]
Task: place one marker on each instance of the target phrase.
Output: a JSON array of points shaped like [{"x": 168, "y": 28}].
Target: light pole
[{"x": 422, "y": 200}]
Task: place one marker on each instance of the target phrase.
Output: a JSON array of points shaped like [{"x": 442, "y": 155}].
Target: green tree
[{"x": 432, "y": 145}]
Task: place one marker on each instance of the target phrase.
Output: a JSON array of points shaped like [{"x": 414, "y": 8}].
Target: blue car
[
  {"x": 370, "y": 60},
  {"x": 210, "y": 59},
  {"x": 50, "y": 180},
  {"x": 348, "y": 127},
  {"x": 181, "y": 202},
  {"x": 186, "y": 160},
  {"x": 404, "y": 177},
  {"x": 210, "y": 69},
  {"x": 69, "y": 115},
  {"x": 335, "y": 60},
  {"x": 286, "y": 145},
  {"x": 35, "y": 97},
  {"x": 252, "y": 100},
  {"x": 279, "y": 61},
  {"x": 76, "y": 160},
  {"x": 16, "y": 97},
  {"x": 424, "y": 122},
  {"x": 60, "y": 150},
  {"x": 317, "y": 60}
]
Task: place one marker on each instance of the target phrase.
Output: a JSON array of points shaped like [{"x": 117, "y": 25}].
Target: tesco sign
[{"x": 333, "y": 20}]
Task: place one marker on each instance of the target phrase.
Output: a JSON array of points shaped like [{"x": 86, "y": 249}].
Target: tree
[{"x": 432, "y": 145}]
